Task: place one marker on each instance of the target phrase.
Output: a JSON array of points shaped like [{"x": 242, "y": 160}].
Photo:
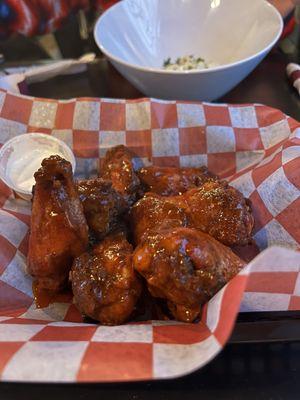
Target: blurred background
[
  {"x": 56, "y": 29},
  {"x": 33, "y": 30},
  {"x": 39, "y": 32}
]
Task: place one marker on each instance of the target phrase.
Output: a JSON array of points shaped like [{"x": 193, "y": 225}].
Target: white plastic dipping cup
[{"x": 22, "y": 156}]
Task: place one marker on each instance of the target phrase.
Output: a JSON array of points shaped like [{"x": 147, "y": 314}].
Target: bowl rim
[
  {"x": 72, "y": 159},
  {"x": 187, "y": 72}
]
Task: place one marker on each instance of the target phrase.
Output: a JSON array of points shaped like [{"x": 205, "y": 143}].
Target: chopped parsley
[{"x": 187, "y": 63}]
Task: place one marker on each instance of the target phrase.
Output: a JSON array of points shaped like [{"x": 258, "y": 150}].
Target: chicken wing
[
  {"x": 171, "y": 181},
  {"x": 118, "y": 168},
  {"x": 215, "y": 208},
  {"x": 186, "y": 267},
  {"x": 59, "y": 231},
  {"x": 153, "y": 211},
  {"x": 219, "y": 210},
  {"x": 105, "y": 285},
  {"x": 102, "y": 205}
]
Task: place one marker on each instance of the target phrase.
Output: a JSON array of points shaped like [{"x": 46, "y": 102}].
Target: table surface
[
  {"x": 267, "y": 84},
  {"x": 243, "y": 370}
]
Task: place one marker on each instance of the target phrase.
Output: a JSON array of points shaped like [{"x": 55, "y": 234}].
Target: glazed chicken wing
[
  {"x": 59, "y": 230},
  {"x": 171, "y": 181},
  {"x": 186, "y": 267},
  {"x": 102, "y": 205},
  {"x": 118, "y": 168},
  {"x": 215, "y": 208},
  {"x": 153, "y": 211},
  {"x": 219, "y": 210},
  {"x": 105, "y": 285}
]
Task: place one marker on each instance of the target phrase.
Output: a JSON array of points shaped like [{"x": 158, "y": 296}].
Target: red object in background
[
  {"x": 105, "y": 4},
  {"x": 22, "y": 16},
  {"x": 35, "y": 17},
  {"x": 53, "y": 13},
  {"x": 288, "y": 28}
]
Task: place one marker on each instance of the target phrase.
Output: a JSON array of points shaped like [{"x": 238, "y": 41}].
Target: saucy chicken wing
[
  {"x": 102, "y": 205},
  {"x": 105, "y": 285},
  {"x": 59, "y": 231},
  {"x": 118, "y": 168},
  {"x": 215, "y": 208},
  {"x": 153, "y": 211},
  {"x": 219, "y": 210},
  {"x": 171, "y": 181},
  {"x": 186, "y": 267}
]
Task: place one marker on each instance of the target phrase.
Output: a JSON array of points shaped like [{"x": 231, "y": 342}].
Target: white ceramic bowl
[
  {"x": 138, "y": 35},
  {"x": 21, "y": 157}
]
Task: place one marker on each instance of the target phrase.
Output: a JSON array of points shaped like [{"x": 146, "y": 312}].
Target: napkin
[{"x": 16, "y": 81}]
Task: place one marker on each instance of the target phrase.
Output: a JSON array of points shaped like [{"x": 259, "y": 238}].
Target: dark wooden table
[
  {"x": 267, "y": 84},
  {"x": 262, "y": 360}
]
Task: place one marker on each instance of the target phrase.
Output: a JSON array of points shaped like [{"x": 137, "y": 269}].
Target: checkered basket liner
[{"x": 256, "y": 147}]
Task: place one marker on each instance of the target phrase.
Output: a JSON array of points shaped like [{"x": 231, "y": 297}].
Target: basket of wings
[{"x": 179, "y": 216}]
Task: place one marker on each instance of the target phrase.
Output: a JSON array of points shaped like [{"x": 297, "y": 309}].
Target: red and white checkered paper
[{"x": 256, "y": 147}]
